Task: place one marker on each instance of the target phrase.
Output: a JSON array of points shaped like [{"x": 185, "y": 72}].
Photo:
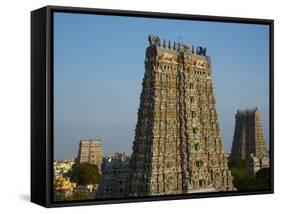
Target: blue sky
[{"x": 99, "y": 66}]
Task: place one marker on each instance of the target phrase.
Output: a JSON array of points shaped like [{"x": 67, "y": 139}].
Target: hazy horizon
[{"x": 99, "y": 67}]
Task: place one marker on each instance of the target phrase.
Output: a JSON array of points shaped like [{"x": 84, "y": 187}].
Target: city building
[
  {"x": 114, "y": 176},
  {"x": 248, "y": 140},
  {"x": 63, "y": 187},
  {"x": 255, "y": 164},
  {"x": 90, "y": 151},
  {"x": 178, "y": 146},
  {"x": 63, "y": 166}
]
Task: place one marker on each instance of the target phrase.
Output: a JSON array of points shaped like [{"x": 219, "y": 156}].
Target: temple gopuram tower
[
  {"x": 178, "y": 146},
  {"x": 248, "y": 135},
  {"x": 248, "y": 140},
  {"x": 90, "y": 151}
]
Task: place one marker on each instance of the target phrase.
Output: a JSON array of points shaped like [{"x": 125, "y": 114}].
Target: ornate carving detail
[
  {"x": 154, "y": 40},
  {"x": 177, "y": 135}
]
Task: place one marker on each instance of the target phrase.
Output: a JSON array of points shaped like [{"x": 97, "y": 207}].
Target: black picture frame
[{"x": 42, "y": 93}]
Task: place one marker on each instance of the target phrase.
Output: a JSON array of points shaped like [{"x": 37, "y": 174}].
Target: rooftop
[
  {"x": 176, "y": 46},
  {"x": 247, "y": 111}
]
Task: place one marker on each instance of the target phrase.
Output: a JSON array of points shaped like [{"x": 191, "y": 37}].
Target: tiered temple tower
[
  {"x": 90, "y": 151},
  {"x": 248, "y": 140},
  {"x": 178, "y": 146},
  {"x": 248, "y": 135}
]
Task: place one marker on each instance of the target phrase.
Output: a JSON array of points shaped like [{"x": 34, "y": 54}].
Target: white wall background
[{"x": 15, "y": 106}]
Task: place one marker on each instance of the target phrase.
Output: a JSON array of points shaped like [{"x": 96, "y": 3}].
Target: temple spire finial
[
  {"x": 175, "y": 45},
  {"x": 170, "y": 44},
  {"x": 164, "y": 44}
]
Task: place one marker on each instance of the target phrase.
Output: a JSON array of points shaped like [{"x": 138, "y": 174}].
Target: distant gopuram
[
  {"x": 90, "y": 151},
  {"x": 248, "y": 135},
  {"x": 248, "y": 141},
  {"x": 178, "y": 146}
]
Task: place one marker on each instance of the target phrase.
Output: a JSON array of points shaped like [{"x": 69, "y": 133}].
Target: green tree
[
  {"x": 84, "y": 173},
  {"x": 264, "y": 178},
  {"x": 245, "y": 182},
  {"x": 237, "y": 163}
]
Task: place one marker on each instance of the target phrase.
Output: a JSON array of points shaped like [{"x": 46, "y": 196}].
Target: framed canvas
[{"x": 130, "y": 106}]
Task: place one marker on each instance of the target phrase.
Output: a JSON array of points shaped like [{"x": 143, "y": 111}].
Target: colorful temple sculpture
[{"x": 178, "y": 146}]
